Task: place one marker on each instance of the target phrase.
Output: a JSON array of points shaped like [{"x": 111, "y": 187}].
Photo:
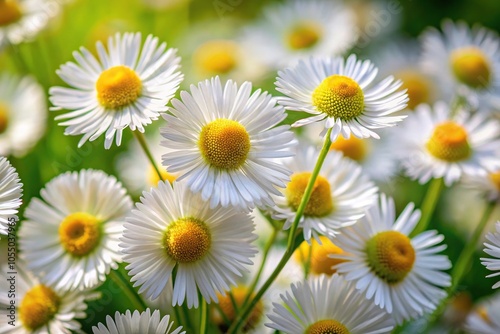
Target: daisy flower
[
  {"x": 375, "y": 156},
  {"x": 343, "y": 94},
  {"x": 226, "y": 142},
  {"x": 464, "y": 60},
  {"x": 486, "y": 318},
  {"x": 402, "y": 275},
  {"x": 493, "y": 249},
  {"x": 486, "y": 183},
  {"x": 10, "y": 194},
  {"x": 433, "y": 144},
  {"x": 21, "y": 20},
  {"x": 124, "y": 87},
  {"x": 70, "y": 236},
  {"x": 173, "y": 228},
  {"x": 23, "y": 113},
  {"x": 135, "y": 169},
  {"x": 299, "y": 28},
  {"x": 144, "y": 323},
  {"x": 40, "y": 308},
  {"x": 340, "y": 195},
  {"x": 306, "y": 310},
  {"x": 402, "y": 59}
]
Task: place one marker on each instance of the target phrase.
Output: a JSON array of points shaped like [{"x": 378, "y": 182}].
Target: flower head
[
  {"x": 124, "y": 87},
  {"x": 70, "y": 238},
  {"x": 174, "y": 228},
  {"x": 225, "y": 141},
  {"x": 10, "y": 194},
  {"x": 342, "y": 94},
  {"x": 493, "y": 249}
]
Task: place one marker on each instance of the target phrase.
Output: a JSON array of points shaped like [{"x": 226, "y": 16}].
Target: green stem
[
  {"x": 233, "y": 302},
  {"x": 428, "y": 205},
  {"x": 308, "y": 191},
  {"x": 463, "y": 262},
  {"x": 255, "y": 281},
  {"x": 144, "y": 145},
  {"x": 117, "y": 277},
  {"x": 204, "y": 316}
]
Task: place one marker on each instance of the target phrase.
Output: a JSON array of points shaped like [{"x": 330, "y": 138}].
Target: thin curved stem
[
  {"x": 429, "y": 205},
  {"x": 144, "y": 145},
  {"x": 117, "y": 277}
]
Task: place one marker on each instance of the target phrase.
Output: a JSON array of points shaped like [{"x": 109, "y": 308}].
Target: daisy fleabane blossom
[
  {"x": 487, "y": 184},
  {"x": 40, "y": 308},
  {"x": 144, "y": 323},
  {"x": 493, "y": 249},
  {"x": 70, "y": 237},
  {"x": 464, "y": 61},
  {"x": 124, "y": 87},
  {"x": 297, "y": 29},
  {"x": 403, "y": 276},
  {"x": 340, "y": 195},
  {"x": 342, "y": 94},
  {"x": 485, "y": 318},
  {"x": 434, "y": 144},
  {"x": 173, "y": 228},
  {"x": 328, "y": 305},
  {"x": 10, "y": 194},
  {"x": 227, "y": 144}
]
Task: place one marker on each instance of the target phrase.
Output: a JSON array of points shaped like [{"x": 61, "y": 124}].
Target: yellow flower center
[
  {"x": 80, "y": 233},
  {"x": 38, "y": 307},
  {"x": 353, "y": 148},
  {"x": 339, "y": 96},
  {"x": 118, "y": 87},
  {"x": 318, "y": 255},
  {"x": 216, "y": 57},
  {"x": 390, "y": 255},
  {"x": 471, "y": 67},
  {"x": 483, "y": 314},
  {"x": 303, "y": 35},
  {"x": 224, "y": 143},
  {"x": 153, "y": 177},
  {"x": 417, "y": 86},
  {"x": 187, "y": 240},
  {"x": 327, "y": 327},
  {"x": 320, "y": 203},
  {"x": 226, "y": 306},
  {"x": 495, "y": 178},
  {"x": 4, "y": 117},
  {"x": 10, "y": 12},
  {"x": 449, "y": 142}
]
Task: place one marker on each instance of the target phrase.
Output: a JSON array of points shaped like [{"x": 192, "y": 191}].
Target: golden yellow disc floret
[
  {"x": 118, "y": 87},
  {"x": 390, "y": 255},
  {"x": 224, "y": 143},
  {"x": 187, "y": 240},
  {"x": 339, "y": 96},
  {"x": 10, "y": 12},
  {"x": 80, "y": 233},
  {"x": 353, "y": 148},
  {"x": 38, "y": 307},
  {"x": 449, "y": 142},
  {"x": 4, "y": 117},
  {"x": 471, "y": 67},
  {"x": 418, "y": 87},
  {"x": 320, "y": 203},
  {"x": 328, "y": 326},
  {"x": 303, "y": 35},
  {"x": 318, "y": 255},
  {"x": 216, "y": 57}
]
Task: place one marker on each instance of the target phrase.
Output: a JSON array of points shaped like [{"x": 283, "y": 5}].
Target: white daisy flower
[
  {"x": 174, "y": 229},
  {"x": 125, "y": 87},
  {"x": 39, "y": 308},
  {"x": 10, "y": 194},
  {"x": 21, "y": 20},
  {"x": 485, "y": 319},
  {"x": 299, "y": 28},
  {"x": 402, "y": 275},
  {"x": 340, "y": 195},
  {"x": 306, "y": 310},
  {"x": 433, "y": 144},
  {"x": 465, "y": 61},
  {"x": 487, "y": 184},
  {"x": 493, "y": 249},
  {"x": 132, "y": 323},
  {"x": 342, "y": 94},
  {"x": 375, "y": 156},
  {"x": 226, "y": 143},
  {"x": 70, "y": 238},
  {"x": 135, "y": 169},
  {"x": 23, "y": 113},
  {"x": 402, "y": 59}
]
